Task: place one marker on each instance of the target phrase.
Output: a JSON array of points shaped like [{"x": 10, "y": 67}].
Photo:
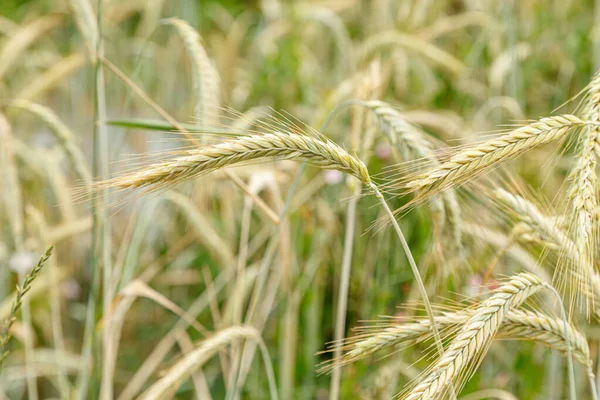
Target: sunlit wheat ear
[
  {"x": 573, "y": 273},
  {"x": 518, "y": 324},
  {"x": 413, "y": 144},
  {"x": 16, "y": 305},
  {"x": 540, "y": 328},
  {"x": 539, "y": 224},
  {"x": 205, "y": 78},
  {"x": 472, "y": 161},
  {"x": 466, "y": 351},
  {"x": 582, "y": 192},
  {"x": 242, "y": 150}
]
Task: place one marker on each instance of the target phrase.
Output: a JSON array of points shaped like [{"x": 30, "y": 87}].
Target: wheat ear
[
  {"x": 62, "y": 133},
  {"x": 16, "y": 304},
  {"x": 413, "y": 144},
  {"x": 282, "y": 146},
  {"x": 537, "y": 226},
  {"x": 471, "y": 342},
  {"x": 205, "y": 78},
  {"x": 474, "y": 160},
  {"x": 518, "y": 324},
  {"x": 583, "y": 187},
  {"x": 536, "y": 223}
]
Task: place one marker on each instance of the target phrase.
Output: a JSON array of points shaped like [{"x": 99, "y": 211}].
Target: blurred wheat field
[{"x": 320, "y": 199}]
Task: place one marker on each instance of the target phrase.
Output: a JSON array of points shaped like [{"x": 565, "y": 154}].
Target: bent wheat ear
[
  {"x": 572, "y": 269},
  {"x": 472, "y": 341},
  {"x": 16, "y": 304},
  {"x": 518, "y": 324},
  {"x": 275, "y": 145},
  {"x": 583, "y": 188},
  {"x": 413, "y": 144},
  {"x": 474, "y": 160},
  {"x": 205, "y": 78}
]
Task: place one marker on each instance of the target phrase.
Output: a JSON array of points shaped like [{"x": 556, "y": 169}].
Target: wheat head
[
  {"x": 471, "y": 342},
  {"x": 474, "y": 160},
  {"x": 244, "y": 149},
  {"x": 518, "y": 324}
]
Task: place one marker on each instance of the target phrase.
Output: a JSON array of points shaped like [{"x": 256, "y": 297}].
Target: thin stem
[
  {"x": 572, "y": 390},
  {"x": 340, "y": 318},
  {"x": 32, "y": 392},
  {"x": 592, "y": 381},
  {"x": 415, "y": 270}
]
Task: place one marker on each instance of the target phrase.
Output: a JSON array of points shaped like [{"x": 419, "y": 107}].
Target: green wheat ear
[{"x": 16, "y": 305}]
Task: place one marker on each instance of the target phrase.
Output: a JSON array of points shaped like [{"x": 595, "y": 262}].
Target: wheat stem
[{"x": 415, "y": 270}]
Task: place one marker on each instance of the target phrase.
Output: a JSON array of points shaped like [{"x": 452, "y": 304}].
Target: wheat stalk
[
  {"x": 276, "y": 145},
  {"x": 471, "y": 342},
  {"x": 194, "y": 360},
  {"x": 474, "y": 160}
]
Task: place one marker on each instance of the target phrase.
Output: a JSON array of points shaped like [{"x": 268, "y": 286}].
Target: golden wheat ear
[
  {"x": 242, "y": 150},
  {"x": 471, "y": 342},
  {"x": 471, "y": 161}
]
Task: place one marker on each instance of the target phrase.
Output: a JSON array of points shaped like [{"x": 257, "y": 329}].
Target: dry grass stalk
[
  {"x": 194, "y": 360},
  {"x": 23, "y": 38},
  {"x": 85, "y": 18},
  {"x": 474, "y": 160},
  {"x": 51, "y": 77},
  {"x": 62, "y": 133},
  {"x": 469, "y": 346},
  {"x": 39, "y": 222},
  {"x": 244, "y": 149}
]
